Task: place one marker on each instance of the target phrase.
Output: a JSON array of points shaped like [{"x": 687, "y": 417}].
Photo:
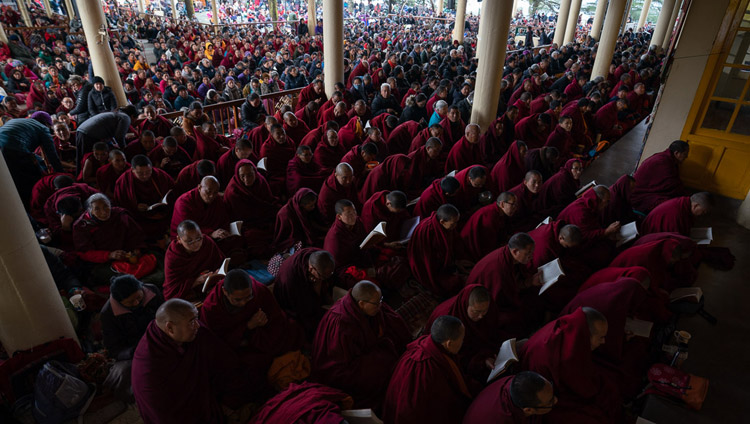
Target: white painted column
[
  {"x": 662, "y": 23},
  {"x": 609, "y": 37},
  {"x": 670, "y": 25},
  {"x": 333, "y": 40},
  {"x": 596, "y": 26},
  {"x": 562, "y": 22},
  {"x": 644, "y": 14},
  {"x": 570, "y": 31},
  {"x": 312, "y": 17},
  {"x": 458, "y": 28}
]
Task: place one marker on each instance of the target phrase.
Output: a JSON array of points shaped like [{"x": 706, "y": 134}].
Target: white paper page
[
  {"x": 545, "y": 222},
  {"x": 550, "y": 273},
  {"x": 235, "y": 228},
  {"x": 585, "y": 187},
  {"x": 638, "y": 327},
  {"x": 506, "y": 354},
  {"x": 627, "y": 232},
  {"x": 702, "y": 235},
  {"x": 262, "y": 164}
]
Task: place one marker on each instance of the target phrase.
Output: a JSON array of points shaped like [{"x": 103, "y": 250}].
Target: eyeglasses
[
  {"x": 375, "y": 303},
  {"x": 194, "y": 241}
]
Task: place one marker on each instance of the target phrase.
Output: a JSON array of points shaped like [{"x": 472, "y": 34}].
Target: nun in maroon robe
[
  {"x": 296, "y": 133},
  {"x": 277, "y": 157},
  {"x": 527, "y": 129},
  {"x": 301, "y": 174},
  {"x": 618, "y": 301},
  {"x": 183, "y": 382},
  {"x": 509, "y": 283},
  {"x": 295, "y": 224},
  {"x": 302, "y": 300},
  {"x": 304, "y": 403},
  {"x": 331, "y": 192},
  {"x": 257, "y": 347},
  {"x": 483, "y": 337},
  {"x": 510, "y": 169},
  {"x": 130, "y": 192},
  {"x": 619, "y": 208},
  {"x": 432, "y": 253},
  {"x": 402, "y": 136},
  {"x": 463, "y": 154},
  {"x": 327, "y": 156},
  {"x": 559, "y": 191},
  {"x": 673, "y": 216},
  {"x": 94, "y": 240},
  {"x": 356, "y": 352},
  {"x": 427, "y": 386},
  {"x": 181, "y": 268},
  {"x": 389, "y": 175},
  {"x": 561, "y": 352},
  {"x": 492, "y": 144}
]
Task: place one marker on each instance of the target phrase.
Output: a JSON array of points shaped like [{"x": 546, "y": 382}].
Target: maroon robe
[
  {"x": 182, "y": 268},
  {"x": 432, "y": 253},
  {"x": 672, "y": 216},
  {"x": 466, "y": 198},
  {"x": 657, "y": 257},
  {"x": 258, "y": 136},
  {"x": 257, "y": 347},
  {"x": 187, "y": 179},
  {"x": 329, "y": 114},
  {"x": 526, "y": 217},
  {"x": 401, "y": 137},
  {"x": 51, "y": 217},
  {"x": 493, "y": 145},
  {"x": 96, "y": 165},
  {"x": 375, "y": 211},
  {"x": 209, "y": 217},
  {"x": 580, "y": 131},
  {"x": 177, "y": 162},
  {"x": 256, "y": 205},
  {"x": 657, "y": 179},
  {"x": 130, "y": 191},
  {"x": 427, "y": 387},
  {"x": 561, "y": 352},
  {"x": 303, "y": 175},
  {"x": 482, "y": 339},
  {"x": 159, "y": 126},
  {"x": 206, "y": 147},
  {"x": 182, "y": 383},
  {"x": 308, "y": 95},
  {"x": 493, "y": 405},
  {"x": 452, "y": 132},
  {"x": 225, "y": 167},
  {"x": 561, "y": 140},
  {"x": 557, "y": 192},
  {"x": 327, "y": 156},
  {"x": 527, "y": 131},
  {"x": 422, "y": 170},
  {"x": 596, "y": 247},
  {"x": 293, "y": 224},
  {"x": 42, "y": 190},
  {"x": 314, "y": 137},
  {"x": 609, "y": 274},
  {"x": 301, "y": 300},
  {"x": 605, "y": 120},
  {"x": 574, "y": 91},
  {"x": 430, "y": 200},
  {"x": 508, "y": 171},
  {"x": 354, "y": 158},
  {"x": 421, "y": 139},
  {"x": 277, "y": 157},
  {"x": 343, "y": 243},
  {"x": 132, "y": 149},
  {"x": 506, "y": 279},
  {"x": 94, "y": 240},
  {"x": 619, "y": 208},
  {"x": 304, "y": 403},
  {"x": 389, "y": 175},
  {"x": 462, "y": 155},
  {"x": 304, "y": 116},
  {"x": 352, "y": 133},
  {"x": 357, "y": 353},
  {"x": 331, "y": 192},
  {"x": 486, "y": 230}
]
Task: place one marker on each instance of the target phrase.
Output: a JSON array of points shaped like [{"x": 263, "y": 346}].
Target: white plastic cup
[{"x": 78, "y": 303}]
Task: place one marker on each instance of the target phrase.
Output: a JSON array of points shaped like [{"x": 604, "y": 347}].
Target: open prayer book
[
  {"x": 360, "y": 416},
  {"x": 376, "y": 236},
  {"x": 584, "y": 188},
  {"x": 687, "y": 294},
  {"x": 546, "y": 221},
  {"x": 223, "y": 269},
  {"x": 412, "y": 203},
  {"x": 627, "y": 233},
  {"x": 702, "y": 235},
  {"x": 549, "y": 274},
  {"x": 407, "y": 229},
  {"x": 160, "y": 204},
  {"x": 235, "y": 228},
  {"x": 262, "y": 164},
  {"x": 638, "y": 327},
  {"x": 451, "y": 174},
  {"x": 506, "y": 356}
]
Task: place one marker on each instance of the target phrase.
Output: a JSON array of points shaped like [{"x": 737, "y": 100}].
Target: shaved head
[
  {"x": 174, "y": 310},
  {"x": 365, "y": 291}
]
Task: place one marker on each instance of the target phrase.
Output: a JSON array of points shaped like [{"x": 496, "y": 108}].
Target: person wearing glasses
[
  {"x": 358, "y": 342},
  {"x": 513, "y": 399},
  {"x": 192, "y": 259}
]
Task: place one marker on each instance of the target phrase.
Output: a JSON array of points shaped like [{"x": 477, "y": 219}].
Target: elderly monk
[
  {"x": 302, "y": 286},
  {"x": 489, "y": 227},
  {"x": 329, "y": 152},
  {"x": 303, "y": 172},
  {"x": 561, "y": 351},
  {"x": 304, "y": 403},
  {"x": 433, "y": 251},
  {"x": 227, "y": 163},
  {"x": 677, "y": 215},
  {"x": 440, "y": 192},
  {"x": 295, "y": 129},
  {"x": 506, "y": 274},
  {"x": 338, "y": 186},
  {"x": 244, "y": 314},
  {"x": 181, "y": 369},
  {"x": 278, "y": 150},
  {"x": 658, "y": 178},
  {"x": 357, "y": 345},
  {"x": 516, "y": 399},
  {"x": 192, "y": 259},
  {"x": 427, "y": 384},
  {"x": 466, "y": 151},
  {"x": 510, "y": 169},
  {"x": 484, "y": 335},
  {"x": 142, "y": 186}
]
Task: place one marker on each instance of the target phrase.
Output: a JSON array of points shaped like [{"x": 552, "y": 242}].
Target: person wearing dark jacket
[
  {"x": 104, "y": 127},
  {"x": 82, "y": 90},
  {"x": 385, "y": 102},
  {"x": 252, "y": 111},
  {"x": 101, "y": 98},
  {"x": 131, "y": 307}
]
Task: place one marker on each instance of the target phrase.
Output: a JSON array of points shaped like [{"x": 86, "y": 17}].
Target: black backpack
[{"x": 60, "y": 394}]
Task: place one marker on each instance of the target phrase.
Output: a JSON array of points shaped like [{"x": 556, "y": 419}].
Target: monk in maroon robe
[
  {"x": 143, "y": 146},
  {"x": 360, "y": 158},
  {"x": 191, "y": 176},
  {"x": 299, "y": 221},
  {"x": 243, "y": 313},
  {"x": 560, "y": 190},
  {"x": 534, "y": 130},
  {"x": 357, "y": 344},
  {"x": 574, "y": 90},
  {"x": 338, "y": 186},
  {"x": 225, "y": 167},
  {"x": 312, "y": 93},
  {"x": 389, "y": 175},
  {"x": 492, "y": 143},
  {"x": 335, "y": 113},
  {"x": 317, "y": 135},
  {"x": 191, "y": 262},
  {"x": 91, "y": 163},
  {"x": 303, "y": 172},
  {"x": 329, "y": 152},
  {"x": 453, "y": 127},
  {"x": 607, "y": 122},
  {"x": 278, "y": 150},
  {"x": 352, "y": 133},
  {"x": 427, "y": 384},
  {"x": 505, "y": 272},
  {"x": 473, "y": 305},
  {"x": 609, "y": 274},
  {"x": 170, "y": 157},
  {"x": 259, "y": 134},
  {"x": 433, "y": 251},
  {"x": 304, "y": 403},
  {"x": 619, "y": 208},
  {"x": 498, "y": 402},
  {"x": 294, "y": 128},
  {"x": 510, "y": 169},
  {"x": 435, "y": 130},
  {"x": 562, "y": 138},
  {"x": 466, "y": 151},
  {"x": 402, "y": 136},
  {"x": 489, "y": 227},
  {"x": 561, "y": 351},
  {"x": 302, "y": 286},
  {"x": 42, "y": 190},
  {"x": 107, "y": 175},
  {"x": 579, "y": 112},
  {"x": 155, "y": 123},
  {"x": 426, "y": 165},
  {"x": 438, "y": 193},
  {"x": 526, "y": 193},
  {"x": 140, "y": 187},
  {"x": 249, "y": 198},
  {"x": 658, "y": 178},
  {"x": 181, "y": 369},
  {"x": 309, "y": 115},
  {"x": 676, "y": 215},
  {"x": 80, "y": 191}
]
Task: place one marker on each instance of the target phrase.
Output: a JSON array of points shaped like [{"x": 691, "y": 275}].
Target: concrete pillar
[
  {"x": 562, "y": 22},
  {"x": 743, "y": 213},
  {"x": 596, "y": 26},
  {"x": 625, "y": 17},
  {"x": 140, "y": 6},
  {"x": 71, "y": 10},
  {"x": 609, "y": 37},
  {"x": 215, "y": 11},
  {"x": 189, "y": 9},
  {"x": 492, "y": 42},
  {"x": 3, "y": 35},
  {"x": 175, "y": 13},
  {"x": 570, "y": 31},
  {"x": 662, "y": 23},
  {"x": 31, "y": 311},
  {"x": 644, "y": 14},
  {"x": 670, "y": 26},
  {"x": 440, "y": 7},
  {"x": 92, "y": 19},
  {"x": 47, "y": 8},
  {"x": 515, "y": 8},
  {"x": 458, "y": 28},
  {"x": 333, "y": 39},
  {"x": 24, "y": 11},
  {"x": 312, "y": 17},
  {"x": 274, "y": 11}
]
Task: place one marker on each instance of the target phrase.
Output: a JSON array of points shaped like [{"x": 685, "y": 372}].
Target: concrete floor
[{"x": 720, "y": 353}]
